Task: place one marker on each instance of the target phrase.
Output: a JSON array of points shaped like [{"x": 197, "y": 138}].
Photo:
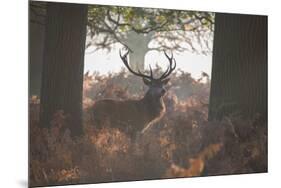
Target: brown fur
[
  {"x": 133, "y": 116},
  {"x": 130, "y": 116}
]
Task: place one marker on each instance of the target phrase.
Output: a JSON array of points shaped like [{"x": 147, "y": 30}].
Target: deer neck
[{"x": 154, "y": 105}]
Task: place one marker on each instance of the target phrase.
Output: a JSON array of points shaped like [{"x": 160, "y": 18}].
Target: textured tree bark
[
  {"x": 36, "y": 43},
  {"x": 239, "y": 70},
  {"x": 63, "y": 64}
]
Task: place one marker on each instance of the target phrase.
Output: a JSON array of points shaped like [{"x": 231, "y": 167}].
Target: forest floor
[{"x": 182, "y": 144}]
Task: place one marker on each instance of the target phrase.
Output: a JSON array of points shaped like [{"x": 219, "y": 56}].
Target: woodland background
[
  {"x": 14, "y": 166},
  {"x": 236, "y": 114}
]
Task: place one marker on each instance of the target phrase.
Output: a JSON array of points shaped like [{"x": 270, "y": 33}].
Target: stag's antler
[
  {"x": 125, "y": 61},
  {"x": 171, "y": 67}
]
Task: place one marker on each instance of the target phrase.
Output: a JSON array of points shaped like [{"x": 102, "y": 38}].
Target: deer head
[{"x": 156, "y": 85}]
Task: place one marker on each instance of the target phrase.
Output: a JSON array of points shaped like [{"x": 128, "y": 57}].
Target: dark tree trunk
[
  {"x": 36, "y": 44},
  {"x": 63, "y": 64},
  {"x": 239, "y": 72}
]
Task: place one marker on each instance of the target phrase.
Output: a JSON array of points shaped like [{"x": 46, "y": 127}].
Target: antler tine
[
  {"x": 171, "y": 68},
  {"x": 170, "y": 58},
  {"x": 125, "y": 61},
  {"x": 151, "y": 73}
]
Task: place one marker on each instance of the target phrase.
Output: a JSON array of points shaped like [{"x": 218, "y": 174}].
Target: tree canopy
[{"x": 162, "y": 29}]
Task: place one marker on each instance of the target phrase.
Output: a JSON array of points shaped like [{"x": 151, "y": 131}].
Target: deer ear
[
  {"x": 165, "y": 81},
  {"x": 146, "y": 81}
]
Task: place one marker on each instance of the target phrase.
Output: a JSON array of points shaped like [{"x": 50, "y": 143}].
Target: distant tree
[
  {"x": 63, "y": 63},
  {"x": 239, "y": 69},
  {"x": 145, "y": 29},
  {"x": 139, "y": 29}
]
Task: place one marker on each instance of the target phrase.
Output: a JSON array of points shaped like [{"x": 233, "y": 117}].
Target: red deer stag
[{"x": 133, "y": 116}]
